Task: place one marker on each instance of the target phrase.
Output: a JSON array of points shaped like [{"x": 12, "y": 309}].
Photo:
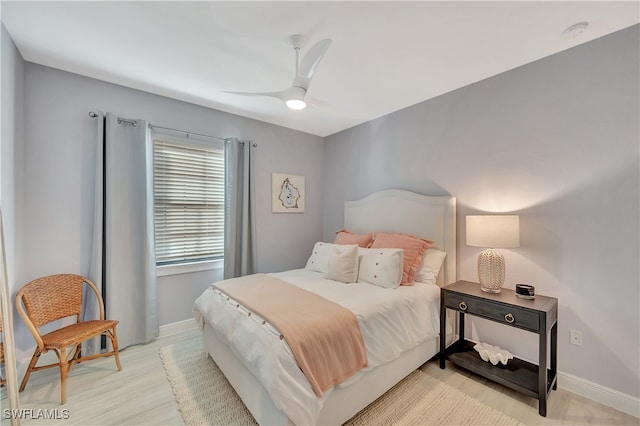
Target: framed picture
[{"x": 287, "y": 193}]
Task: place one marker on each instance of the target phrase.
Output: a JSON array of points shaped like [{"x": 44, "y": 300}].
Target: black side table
[{"x": 538, "y": 315}]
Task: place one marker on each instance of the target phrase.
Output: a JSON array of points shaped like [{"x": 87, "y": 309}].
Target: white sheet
[{"x": 392, "y": 321}]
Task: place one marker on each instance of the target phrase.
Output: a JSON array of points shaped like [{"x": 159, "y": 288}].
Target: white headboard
[{"x": 431, "y": 218}]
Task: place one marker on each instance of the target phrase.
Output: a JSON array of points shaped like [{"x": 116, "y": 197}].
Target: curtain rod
[
  {"x": 121, "y": 120},
  {"x": 151, "y": 126}
]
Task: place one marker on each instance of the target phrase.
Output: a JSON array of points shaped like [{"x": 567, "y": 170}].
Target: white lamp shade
[{"x": 494, "y": 231}]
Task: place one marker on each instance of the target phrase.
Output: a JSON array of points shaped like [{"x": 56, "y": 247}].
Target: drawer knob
[
  {"x": 462, "y": 306},
  {"x": 509, "y": 318}
]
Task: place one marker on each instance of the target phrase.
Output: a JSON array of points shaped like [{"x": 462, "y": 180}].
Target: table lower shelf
[{"x": 518, "y": 374}]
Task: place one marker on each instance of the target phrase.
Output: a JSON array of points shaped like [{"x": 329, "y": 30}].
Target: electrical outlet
[{"x": 576, "y": 337}]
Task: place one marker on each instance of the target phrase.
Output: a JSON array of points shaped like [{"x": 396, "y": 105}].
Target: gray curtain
[
  {"x": 123, "y": 256},
  {"x": 239, "y": 222},
  {"x": 90, "y": 308}
]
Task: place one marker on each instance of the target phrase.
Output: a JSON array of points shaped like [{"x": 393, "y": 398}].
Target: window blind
[{"x": 188, "y": 201}]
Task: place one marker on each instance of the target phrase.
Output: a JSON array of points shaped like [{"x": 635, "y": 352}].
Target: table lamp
[{"x": 491, "y": 232}]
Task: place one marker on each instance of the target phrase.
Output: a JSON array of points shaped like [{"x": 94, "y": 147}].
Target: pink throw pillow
[
  {"x": 413, "y": 247},
  {"x": 347, "y": 237}
]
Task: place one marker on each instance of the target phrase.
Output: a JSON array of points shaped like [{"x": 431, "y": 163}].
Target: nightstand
[{"x": 538, "y": 315}]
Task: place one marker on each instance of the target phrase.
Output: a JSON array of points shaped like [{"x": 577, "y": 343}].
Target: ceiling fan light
[
  {"x": 294, "y": 98},
  {"x": 296, "y": 103}
]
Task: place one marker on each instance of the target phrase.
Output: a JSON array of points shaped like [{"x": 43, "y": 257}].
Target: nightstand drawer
[{"x": 495, "y": 311}]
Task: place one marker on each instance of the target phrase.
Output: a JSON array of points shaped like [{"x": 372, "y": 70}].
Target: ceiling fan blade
[
  {"x": 294, "y": 95},
  {"x": 278, "y": 95},
  {"x": 311, "y": 60}
]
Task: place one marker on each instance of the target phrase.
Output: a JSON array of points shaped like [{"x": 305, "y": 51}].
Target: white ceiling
[{"x": 385, "y": 56}]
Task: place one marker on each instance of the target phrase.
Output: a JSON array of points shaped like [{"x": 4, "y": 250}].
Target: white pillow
[
  {"x": 428, "y": 278},
  {"x": 381, "y": 266},
  {"x": 431, "y": 264},
  {"x": 343, "y": 264},
  {"x": 319, "y": 259}
]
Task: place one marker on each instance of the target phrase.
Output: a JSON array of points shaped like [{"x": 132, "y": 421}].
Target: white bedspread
[{"x": 392, "y": 321}]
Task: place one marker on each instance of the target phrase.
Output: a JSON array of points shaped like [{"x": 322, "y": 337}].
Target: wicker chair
[{"x": 54, "y": 297}]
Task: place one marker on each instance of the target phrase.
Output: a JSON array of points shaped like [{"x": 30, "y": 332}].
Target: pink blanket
[{"x": 325, "y": 338}]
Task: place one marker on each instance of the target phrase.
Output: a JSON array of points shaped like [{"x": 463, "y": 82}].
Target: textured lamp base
[{"x": 491, "y": 270}]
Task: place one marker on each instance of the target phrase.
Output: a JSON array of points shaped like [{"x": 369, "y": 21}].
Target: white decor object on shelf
[{"x": 493, "y": 354}]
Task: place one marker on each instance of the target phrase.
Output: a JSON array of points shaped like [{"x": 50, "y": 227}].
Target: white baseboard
[
  {"x": 178, "y": 327},
  {"x": 601, "y": 394}
]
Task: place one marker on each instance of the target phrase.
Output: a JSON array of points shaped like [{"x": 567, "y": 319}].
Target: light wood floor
[{"x": 97, "y": 394}]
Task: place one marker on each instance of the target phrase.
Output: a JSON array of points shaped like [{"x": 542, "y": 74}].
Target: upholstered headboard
[{"x": 431, "y": 218}]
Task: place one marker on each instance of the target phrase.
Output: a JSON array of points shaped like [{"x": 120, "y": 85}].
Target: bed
[{"x": 393, "y": 211}]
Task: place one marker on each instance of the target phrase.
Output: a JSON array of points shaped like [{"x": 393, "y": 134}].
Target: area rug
[{"x": 205, "y": 397}]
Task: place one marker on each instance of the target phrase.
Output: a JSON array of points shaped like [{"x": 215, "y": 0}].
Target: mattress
[{"x": 392, "y": 321}]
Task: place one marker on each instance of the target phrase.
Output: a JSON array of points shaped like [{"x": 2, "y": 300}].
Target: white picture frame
[{"x": 287, "y": 193}]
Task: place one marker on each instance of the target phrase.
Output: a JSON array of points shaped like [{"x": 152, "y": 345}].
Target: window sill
[{"x": 186, "y": 268}]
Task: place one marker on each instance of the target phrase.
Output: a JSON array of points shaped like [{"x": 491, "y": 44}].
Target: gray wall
[
  {"x": 59, "y": 151},
  {"x": 555, "y": 141}
]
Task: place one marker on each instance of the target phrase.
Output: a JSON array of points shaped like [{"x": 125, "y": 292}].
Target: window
[{"x": 189, "y": 200}]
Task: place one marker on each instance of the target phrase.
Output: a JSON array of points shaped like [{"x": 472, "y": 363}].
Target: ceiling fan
[{"x": 294, "y": 95}]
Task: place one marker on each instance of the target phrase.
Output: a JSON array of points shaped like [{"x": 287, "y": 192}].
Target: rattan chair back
[{"x": 51, "y": 298}]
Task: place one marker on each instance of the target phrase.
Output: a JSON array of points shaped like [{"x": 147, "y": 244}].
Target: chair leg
[
  {"x": 32, "y": 364},
  {"x": 116, "y": 352},
  {"x": 64, "y": 373},
  {"x": 75, "y": 359}
]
